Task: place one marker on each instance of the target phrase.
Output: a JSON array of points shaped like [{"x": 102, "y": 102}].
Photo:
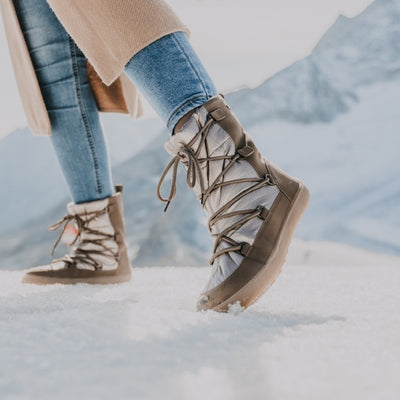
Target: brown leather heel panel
[
  {"x": 256, "y": 160},
  {"x": 288, "y": 185},
  {"x": 117, "y": 221}
]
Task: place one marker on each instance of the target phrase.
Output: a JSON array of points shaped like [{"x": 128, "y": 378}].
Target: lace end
[
  {"x": 167, "y": 205},
  {"x": 53, "y": 250}
]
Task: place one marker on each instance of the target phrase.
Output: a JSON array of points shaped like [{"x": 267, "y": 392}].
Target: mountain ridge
[
  {"x": 319, "y": 123},
  {"x": 353, "y": 52}
]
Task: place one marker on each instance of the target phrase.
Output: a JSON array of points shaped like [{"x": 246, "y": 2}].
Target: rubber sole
[
  {"x": 257, "y": 286},
  {"x": 95, "y": 280}
]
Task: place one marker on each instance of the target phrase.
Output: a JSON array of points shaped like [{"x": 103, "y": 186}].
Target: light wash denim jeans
[
  {"x": 167, "y": 72},
  {"x": 171, "y": 76}
]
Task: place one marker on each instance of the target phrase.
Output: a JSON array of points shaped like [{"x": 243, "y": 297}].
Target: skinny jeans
[{"x": 167, "y": 72}]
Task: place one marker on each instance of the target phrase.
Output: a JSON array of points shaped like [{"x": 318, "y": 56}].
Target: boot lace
[
  {"x": 80, "y": 254},
  {"x": 194, "y": 164}
]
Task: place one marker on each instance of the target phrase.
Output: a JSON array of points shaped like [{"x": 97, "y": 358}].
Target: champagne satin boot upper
[
  {"x": 98, "y": 253},
  {"x": 241, "y": 194}
]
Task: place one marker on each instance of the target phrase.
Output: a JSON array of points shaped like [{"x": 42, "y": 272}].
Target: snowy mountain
[
  {"x": 31, "y": 176},
  {"x": 154, "y": 237},
  {"x": 354, "y": 52},
  {"x": 350, "y": 166},
  {"x": 347, "y": 90},
  {"x": 329, "y": 327}
]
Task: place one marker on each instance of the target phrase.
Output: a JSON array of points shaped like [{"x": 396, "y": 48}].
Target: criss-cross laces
[
  {"x": 85, "y": 252},
  {"x": 193, "y": 164}
]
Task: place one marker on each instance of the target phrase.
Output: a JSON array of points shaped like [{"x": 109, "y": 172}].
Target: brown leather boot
[
  {"x": 253, "y": 206},
  {"x": 100, "y": 255}
]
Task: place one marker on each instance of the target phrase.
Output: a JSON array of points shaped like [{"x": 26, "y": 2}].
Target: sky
[{"x": 241, "y": 42}]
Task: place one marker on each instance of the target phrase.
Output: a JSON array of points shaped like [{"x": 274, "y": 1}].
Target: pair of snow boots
[{"x": 252, "y": 207}]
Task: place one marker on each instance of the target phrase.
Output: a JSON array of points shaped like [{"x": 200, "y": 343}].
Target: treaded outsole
[{"x": 99, "y": 280}]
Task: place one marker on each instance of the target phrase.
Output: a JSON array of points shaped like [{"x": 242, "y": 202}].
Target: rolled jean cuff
[{"x": 187, "y": 106}]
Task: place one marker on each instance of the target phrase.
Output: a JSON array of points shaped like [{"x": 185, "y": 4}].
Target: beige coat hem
[{"x": 110, "y": 33}]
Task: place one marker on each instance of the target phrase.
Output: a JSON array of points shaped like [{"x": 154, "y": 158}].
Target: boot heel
[{"x": 261, "y": 282}]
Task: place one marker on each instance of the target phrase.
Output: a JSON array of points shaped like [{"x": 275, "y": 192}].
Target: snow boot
[
  {"x": 253, "y": 207},
  {"x": 100, "y": 255}
]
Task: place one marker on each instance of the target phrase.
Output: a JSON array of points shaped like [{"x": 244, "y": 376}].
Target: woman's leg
[
  {"x": 252, "y": 206},
  {"x": 100, "y": 255},
  {"x": 77, "y": 135},
  {"x": 171, "y": 77}
]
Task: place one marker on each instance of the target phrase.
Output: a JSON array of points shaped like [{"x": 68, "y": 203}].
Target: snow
[
  {"x": 353, "y": 199},
  {"x": 353, "y": 53},
  {"x": 20, "y": 149},
  {"x": 350, "y": 166},
  {"x": 328, "y": 329}
]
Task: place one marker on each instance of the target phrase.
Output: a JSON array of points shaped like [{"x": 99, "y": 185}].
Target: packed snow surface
[{"x": 328, "y": 329}]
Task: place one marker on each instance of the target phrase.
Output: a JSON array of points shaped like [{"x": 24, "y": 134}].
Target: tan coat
[{"x": 109, "y": 32}]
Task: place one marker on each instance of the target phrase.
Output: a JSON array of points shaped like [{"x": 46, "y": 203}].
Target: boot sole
[
  {"x": 257, "y": 286},
  {"x": 98, "y": 280}
]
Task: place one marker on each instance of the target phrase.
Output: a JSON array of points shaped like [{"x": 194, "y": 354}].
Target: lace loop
[
  {"x": 172, "y": 193},
  {"x": 66, "y": 220},
  {"x": 188, "y": 158}
]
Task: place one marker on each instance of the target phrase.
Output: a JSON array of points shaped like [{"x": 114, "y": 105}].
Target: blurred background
[{"x": 316, "y": 83}]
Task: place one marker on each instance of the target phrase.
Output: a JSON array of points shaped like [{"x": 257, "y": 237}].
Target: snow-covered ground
[{"x": 328, "y": 329}]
